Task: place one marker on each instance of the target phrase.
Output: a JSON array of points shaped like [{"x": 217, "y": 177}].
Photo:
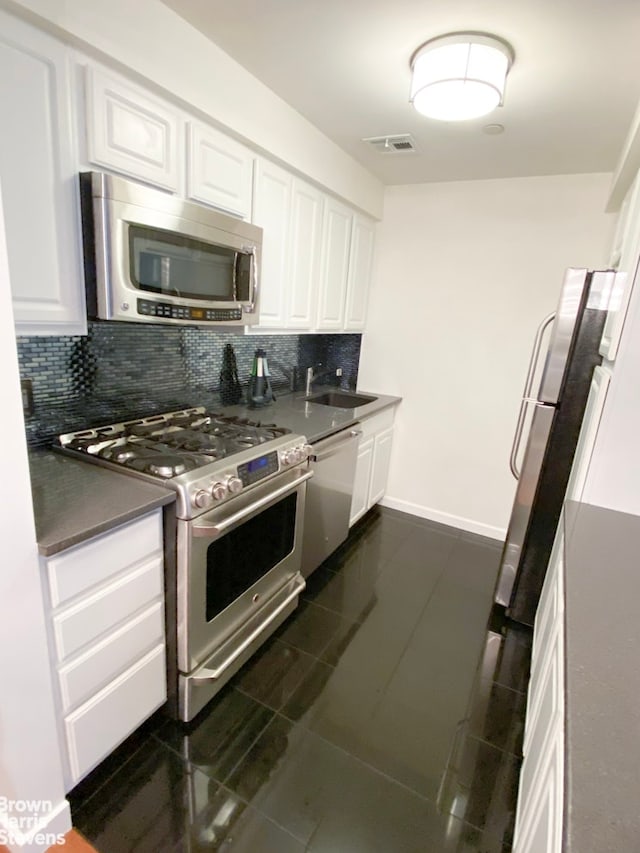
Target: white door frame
[{"x": 30, "y": 760}]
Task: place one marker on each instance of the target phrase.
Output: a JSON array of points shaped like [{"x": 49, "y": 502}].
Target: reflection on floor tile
[
  {"x": 497, "y": 715},
  {"x": 273, "y": 673},
  {"x": 218, "y": 739},
  {"x": 507, "y": 656},
  {"x": 382, "y": 716}
]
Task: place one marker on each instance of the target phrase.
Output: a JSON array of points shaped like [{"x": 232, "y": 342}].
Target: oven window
[
  {"x": 175, "y": 265},
  {"x": 240, "y": 558}
]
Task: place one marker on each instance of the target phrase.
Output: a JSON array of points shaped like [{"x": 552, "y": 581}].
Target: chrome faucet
[
  {"x": 289, "y": 373},
  {"x": 312, "y": 377}
]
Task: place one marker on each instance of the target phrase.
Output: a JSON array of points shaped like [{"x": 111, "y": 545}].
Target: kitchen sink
[{"x": 341, "y": 399}]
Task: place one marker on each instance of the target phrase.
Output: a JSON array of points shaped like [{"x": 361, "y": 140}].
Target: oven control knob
[
  {"x": 218, "y": 491},
  {"x": 288, "y": 457},
  {"x": 234, "y": 484},
  {"x": 300, "y": 454},
  {"x": 308, "y": 450},
  {"x": 201, "y": 498}
]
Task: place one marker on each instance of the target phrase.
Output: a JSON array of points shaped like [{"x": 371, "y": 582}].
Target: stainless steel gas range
[{"x": 233, "y": 560}]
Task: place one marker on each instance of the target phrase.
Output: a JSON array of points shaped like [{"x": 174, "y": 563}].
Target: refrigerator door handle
[{"x": 526, "y": 395}]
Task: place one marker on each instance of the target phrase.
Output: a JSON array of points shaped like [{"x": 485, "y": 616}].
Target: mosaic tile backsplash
[{"x": 121, "y": 371}]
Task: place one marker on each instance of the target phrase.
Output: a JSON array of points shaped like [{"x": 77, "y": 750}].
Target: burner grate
[{"x": 171, "y": 444}]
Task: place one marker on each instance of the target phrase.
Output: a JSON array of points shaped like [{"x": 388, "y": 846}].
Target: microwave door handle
[
  {"x": 526, "y": 394},
  {"x": 254, "y": 278},
  {"x": 234, "y": 281}
]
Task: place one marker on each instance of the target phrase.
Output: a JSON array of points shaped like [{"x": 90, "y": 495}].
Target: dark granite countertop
[
  {"x": 75, "y": 500},
  {"x": 314, "y": 421},
  {"x": 602, "y": 579}
]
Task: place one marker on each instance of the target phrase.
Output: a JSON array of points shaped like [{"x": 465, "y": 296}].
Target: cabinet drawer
[
  {"x": 376, "y": 423},
  {"x": 105, "y": 661},
  {"x": 93, "y": 616},
  {"x": 103, "y": 722},
  {"x": 78, "y": 569},
  {"x": 545, "y": 712}
]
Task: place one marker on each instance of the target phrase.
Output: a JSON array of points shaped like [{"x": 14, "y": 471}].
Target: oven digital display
[
  {"x": 256, "y": 469},
  {"x": 257, "y": 464}
]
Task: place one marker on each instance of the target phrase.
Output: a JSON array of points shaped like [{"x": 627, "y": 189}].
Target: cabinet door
[
  {"x": 305, "y": 246},
  {"x": 130, "y": 131},
  {"x": 219, "y": 170},
  {"x": 336, "y": 244},
  {"x": 272, "y": 212},
  {"x": 624, "y": 258},
  {"x": 380, "y": 466},
  {"x": 359, "y": 502},
  {"x": 38, "y": 170},
  {"x": 360, "y": 267},
  {"x": 588, "y": 432}
]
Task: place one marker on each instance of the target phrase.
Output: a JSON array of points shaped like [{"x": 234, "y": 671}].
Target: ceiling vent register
[{"x": 400, "y": 143}]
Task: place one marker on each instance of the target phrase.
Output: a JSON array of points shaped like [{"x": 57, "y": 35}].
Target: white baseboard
[
  {"x": 458, "y": 521},
  {"x": 39, "y": 833}
]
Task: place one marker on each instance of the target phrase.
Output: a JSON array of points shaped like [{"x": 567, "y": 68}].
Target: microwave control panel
[{"x": 155, "y": 308}]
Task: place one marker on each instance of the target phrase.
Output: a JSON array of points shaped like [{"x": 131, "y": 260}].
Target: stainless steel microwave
[{"x": 154, "y": 258}]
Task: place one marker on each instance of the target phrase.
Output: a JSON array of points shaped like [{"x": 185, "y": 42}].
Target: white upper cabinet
[
  {"x": 338, "y": 222},
  {"x": 360, "y": 267},
  {"x": 38, "y": 172},
  {"x": 624, "y": 257},
  {"x": 219, "y": 170},
  {"x": 131, "y": 132},
  {"x": 307, "y": 206},
  {"x": 272, "y": 212},
  {"x": 291, "y": 213},
  {"x": 317, "y": 255}
]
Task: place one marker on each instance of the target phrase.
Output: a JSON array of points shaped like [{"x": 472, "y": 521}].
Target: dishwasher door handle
[{"x": 334, "y": 444}]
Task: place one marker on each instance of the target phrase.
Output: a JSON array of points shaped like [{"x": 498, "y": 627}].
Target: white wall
[
  {"x": 464, "y": 273},
  {"x": 153, "y": 41},
  {"x": 30, "y": 764}
]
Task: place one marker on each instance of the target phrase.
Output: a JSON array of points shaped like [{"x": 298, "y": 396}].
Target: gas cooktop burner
[
  {"x": 168, "y": 445},
  {"x": 206, "y": 457}
]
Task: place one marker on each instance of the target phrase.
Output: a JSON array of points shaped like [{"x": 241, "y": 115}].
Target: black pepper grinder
[
  {"x": 260, "y": 392},
  {"x": 230, "y": 388}
]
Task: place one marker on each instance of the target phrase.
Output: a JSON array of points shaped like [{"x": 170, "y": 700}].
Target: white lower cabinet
[
  {"x": 106, "y": 624},
  {"x": 104, "y": 720},
  {"x": 372, "y": 467},
  {"x": 539, "y": 815}
]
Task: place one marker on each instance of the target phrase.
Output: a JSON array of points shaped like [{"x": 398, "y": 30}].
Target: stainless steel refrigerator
[{"x": 555, "y": 415}]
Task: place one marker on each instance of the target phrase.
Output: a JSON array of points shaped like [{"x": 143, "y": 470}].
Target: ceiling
[{"x": 344, "y": 64}]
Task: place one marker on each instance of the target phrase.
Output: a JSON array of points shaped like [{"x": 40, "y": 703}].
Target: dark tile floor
[{"x": 385, "y": 715}]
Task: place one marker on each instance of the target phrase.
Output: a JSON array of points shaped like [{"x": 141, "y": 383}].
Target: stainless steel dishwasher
[{"x": 329, "y": 493}]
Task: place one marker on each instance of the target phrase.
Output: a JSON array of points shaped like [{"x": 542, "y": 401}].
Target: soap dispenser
[{"x": 260, "y": 392}]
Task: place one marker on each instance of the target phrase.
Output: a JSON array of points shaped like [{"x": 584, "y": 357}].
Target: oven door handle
[
  {"x": 206, "y": 674},
  {"x": 213, "y": 530}
]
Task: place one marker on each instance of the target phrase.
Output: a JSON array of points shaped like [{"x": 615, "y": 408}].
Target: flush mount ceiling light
[{"x": 460, "y": 76}]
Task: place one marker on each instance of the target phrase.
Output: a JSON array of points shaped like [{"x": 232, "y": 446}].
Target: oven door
[{"x": 238, "y": 579}]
